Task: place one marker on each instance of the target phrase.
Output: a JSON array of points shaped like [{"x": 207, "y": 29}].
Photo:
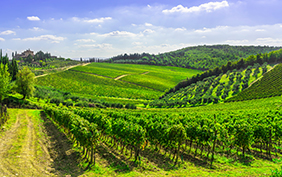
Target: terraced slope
[
  {"x": 212, "y": 89},
  {"x": 268, "y": 86}
]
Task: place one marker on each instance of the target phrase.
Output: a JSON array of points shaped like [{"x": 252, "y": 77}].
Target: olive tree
[{"x": 25, "y": 82}]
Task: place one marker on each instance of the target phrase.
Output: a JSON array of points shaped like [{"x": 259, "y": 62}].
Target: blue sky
[{"x": 80, "y": 28}]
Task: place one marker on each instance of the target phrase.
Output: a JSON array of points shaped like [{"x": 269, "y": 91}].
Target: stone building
[{"x": 25, "y": 54}]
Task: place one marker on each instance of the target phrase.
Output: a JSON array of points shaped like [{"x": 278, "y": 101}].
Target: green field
[{"x": 97, "y": 80}]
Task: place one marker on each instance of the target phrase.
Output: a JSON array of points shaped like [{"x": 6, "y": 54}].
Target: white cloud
[
  {"x": 148, "y": 31},
  {"x": 7, "y": 32},
  {"x": 204, "y": 30},
  {"x": 207, "y": 30},
  {"x": 269, "y": 41},
  {"x": 33, "y": 18},
  {"x": 117, "y": 34},
  {"x": 52, "y": 38},
  {"x": 236, "y": 42},
  {"x": 95, "y": 20},
  {"x": 180, "y": 29},
  {"x": 2, "y": 39},
  {"x": 99, "y": 46},
  {"x": 85, "y": 40},
  {"x": 207, "y": 7},
  {"x": 148, "y": 24},
  {"x": 260, "y": 30},
  {"x": 137, "y": 43},
  {"x": 16, "y": 39},
  {"x": 36, "y": 29}
]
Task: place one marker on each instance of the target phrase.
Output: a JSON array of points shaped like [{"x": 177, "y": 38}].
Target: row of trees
[
  {"x": 272, "y": 57},
  {"x": 23, "y": 84}
]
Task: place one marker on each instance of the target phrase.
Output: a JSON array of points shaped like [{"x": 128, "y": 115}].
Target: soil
[
  {"x": 119, "y": 77},
  {"x": 36, "y": 150}
]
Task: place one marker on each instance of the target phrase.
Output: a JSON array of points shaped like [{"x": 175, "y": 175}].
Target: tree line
[
  {"x": 11, "y": 79},
  {"x": 198, "y": 57},
  {"x": 271, "y": 57}
]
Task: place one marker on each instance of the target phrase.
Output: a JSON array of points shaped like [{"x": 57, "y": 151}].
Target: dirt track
[{"x": 34, "y": 147}]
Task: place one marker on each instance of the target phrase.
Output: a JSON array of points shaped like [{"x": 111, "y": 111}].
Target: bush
[
  {"x": 57, "y": 101},
  {"x": 81, "y": 104},
  {"x": 130, "y": 106}
]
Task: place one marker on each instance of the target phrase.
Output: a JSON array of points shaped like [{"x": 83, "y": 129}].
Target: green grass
[
  {"x": 87, "y": 84},
  {"x": 96, "y": 80}
]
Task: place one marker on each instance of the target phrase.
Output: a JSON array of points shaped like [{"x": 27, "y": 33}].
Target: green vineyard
[
  {"x": 268, "y": 86},
  {"x": 234, "y": 134}
]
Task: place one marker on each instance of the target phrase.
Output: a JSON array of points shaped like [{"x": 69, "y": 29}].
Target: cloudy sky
[{"x": 83, "y": 28}]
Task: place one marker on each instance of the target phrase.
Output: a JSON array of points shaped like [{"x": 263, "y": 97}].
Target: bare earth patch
[{"x": 35, "y": 147}]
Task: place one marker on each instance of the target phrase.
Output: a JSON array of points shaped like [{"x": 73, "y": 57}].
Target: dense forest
[{"x": 199, "y": 57}]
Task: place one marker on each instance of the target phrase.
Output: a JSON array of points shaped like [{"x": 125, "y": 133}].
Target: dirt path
[
  {"x": 145, "y": 73},
  {"x": 34, "y": 147},
  {"x": 119, "y": 77},
  {"x": 64, "y": 69},
  {"x": 20, "y": 155}
]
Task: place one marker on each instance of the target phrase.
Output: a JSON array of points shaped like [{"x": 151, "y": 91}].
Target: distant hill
[
  {"x": 202, "y": 57},
  {"x": 221, "y": 83}
]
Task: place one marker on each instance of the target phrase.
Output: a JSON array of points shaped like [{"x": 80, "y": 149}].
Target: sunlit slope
[
  {"x": 198, "y": 57},
  {"x": 213, "y": 89},
  {"x": 268, "y": 86},
  {"x": 118, "y": 80}
]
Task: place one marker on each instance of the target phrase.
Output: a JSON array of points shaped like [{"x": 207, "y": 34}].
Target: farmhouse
[{"x": 25, "y": 54}]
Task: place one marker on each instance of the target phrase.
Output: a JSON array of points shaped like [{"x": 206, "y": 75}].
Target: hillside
[
  {"x": 219, "y": 84},
  {"x": 268, "y": 86},
  {"x": 212, "y": 89},
  {"x": 117, "y": 81},
  {"x": 198, "y": 57}
]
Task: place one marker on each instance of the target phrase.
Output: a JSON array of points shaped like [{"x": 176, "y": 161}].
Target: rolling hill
[
  {"x": 117, "y": 81},
  {"x": 221, "y": 83},
  {"x": 198, "y": 57}
]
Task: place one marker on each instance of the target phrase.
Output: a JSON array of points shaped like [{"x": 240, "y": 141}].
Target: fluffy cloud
[
  {"x": 52, "y": 38},
  {"x": 148, "y": 24},
  {"x": 269, "y": 41},
  {"x": 95, "y": 20},
  {"x": 236, "y": 42},
  {"x": 207, "y": 7},
  {"x": 36, "y": 29},
  {"x": 33, "y": 18},
  {"x": 117, "y": 34},
  {"x": 7, "y": 32},
  {"x": 1, "y": 39},
  {"x": 85, "y": 40},
  {"x": 97, "y": 46}
]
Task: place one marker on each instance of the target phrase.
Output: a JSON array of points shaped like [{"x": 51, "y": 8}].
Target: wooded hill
[
  {"x": 223, "y": 82},
  {"x": 198, "y": 57}
]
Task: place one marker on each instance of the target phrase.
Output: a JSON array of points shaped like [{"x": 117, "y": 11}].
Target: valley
[{"x": 122, "y": 119}]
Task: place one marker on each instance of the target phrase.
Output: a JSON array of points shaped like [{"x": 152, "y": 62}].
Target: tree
[
  {"x": 25, "y": 82},
  {"x": 5, "y": 79},
  {"x": 13, "y": 69}
]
